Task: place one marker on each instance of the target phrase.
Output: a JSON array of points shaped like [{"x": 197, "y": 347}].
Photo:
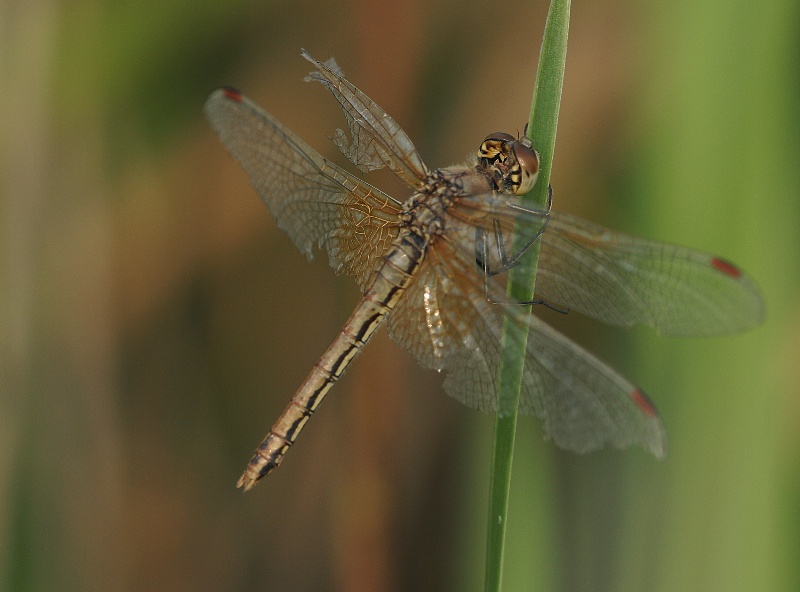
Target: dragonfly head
[{"x": 512, "y": 164}]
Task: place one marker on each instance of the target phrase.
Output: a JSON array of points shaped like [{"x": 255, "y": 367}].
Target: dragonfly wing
[
  {"x": 496, "y": 230},
  {"x": 624, "y": 280},
  {"x": 417, "y": 321},
  {"x": 313, "y": 200},
  {"x": 582, "y": 402},
  {"x": 445, "y": 321},
  {"x": 377, "y": 140}
]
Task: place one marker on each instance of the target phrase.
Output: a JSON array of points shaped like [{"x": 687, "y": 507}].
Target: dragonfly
[{"x": 431, "y": 268}]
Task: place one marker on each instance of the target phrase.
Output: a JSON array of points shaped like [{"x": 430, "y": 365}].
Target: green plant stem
[{"x": 542, "y": 132}]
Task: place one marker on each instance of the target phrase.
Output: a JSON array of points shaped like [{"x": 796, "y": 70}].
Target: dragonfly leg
[
  {"x": 506, "y": 262},
  {"x": 482, "y": 257},
  {"x": 536, "y": 301}
]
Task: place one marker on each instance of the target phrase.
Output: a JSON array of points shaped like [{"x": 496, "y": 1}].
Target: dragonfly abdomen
[{"x": 391, "y": 280}]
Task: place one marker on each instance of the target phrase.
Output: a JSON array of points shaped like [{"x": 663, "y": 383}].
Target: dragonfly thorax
[{"x": 425, "y": 211}]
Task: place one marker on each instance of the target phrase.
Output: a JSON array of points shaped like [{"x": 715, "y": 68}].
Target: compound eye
[
  {"x": 525, "y": 174},
  {"x": 500, "y": 137},
  {"x": 495, "y": 146}
]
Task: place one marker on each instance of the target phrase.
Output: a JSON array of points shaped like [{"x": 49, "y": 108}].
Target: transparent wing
[
  {"x": 624, "y": 280},
  {"x": 446, "y": 323},
  {"x": 495, "y": 230},
  {"x": 313, "y": 200},
  {"x": 377, "y": 140}
]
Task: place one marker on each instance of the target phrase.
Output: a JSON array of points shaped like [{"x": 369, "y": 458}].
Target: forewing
[
  {"x": 313, "y": 200},
  {"x": 377, "y": 140},
  {"x": 624, "y": 280},
  {"x": 445, "y": 321}
]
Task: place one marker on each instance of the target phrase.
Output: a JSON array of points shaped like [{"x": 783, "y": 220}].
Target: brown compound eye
[{"x": 523, "y": 175}]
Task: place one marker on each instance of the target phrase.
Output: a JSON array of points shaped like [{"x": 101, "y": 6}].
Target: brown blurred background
[{"x": 155, "y": 322}]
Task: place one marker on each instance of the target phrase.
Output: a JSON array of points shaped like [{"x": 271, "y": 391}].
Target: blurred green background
[{"x": 155, "y": 322}]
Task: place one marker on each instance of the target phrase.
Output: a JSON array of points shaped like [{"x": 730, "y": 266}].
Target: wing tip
[
  {"x": 643, "y": 402},
  {"x": 220, "y": 96},
  {"x": 726, "y": 267},
  {"x": 230, "y": 93}
]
